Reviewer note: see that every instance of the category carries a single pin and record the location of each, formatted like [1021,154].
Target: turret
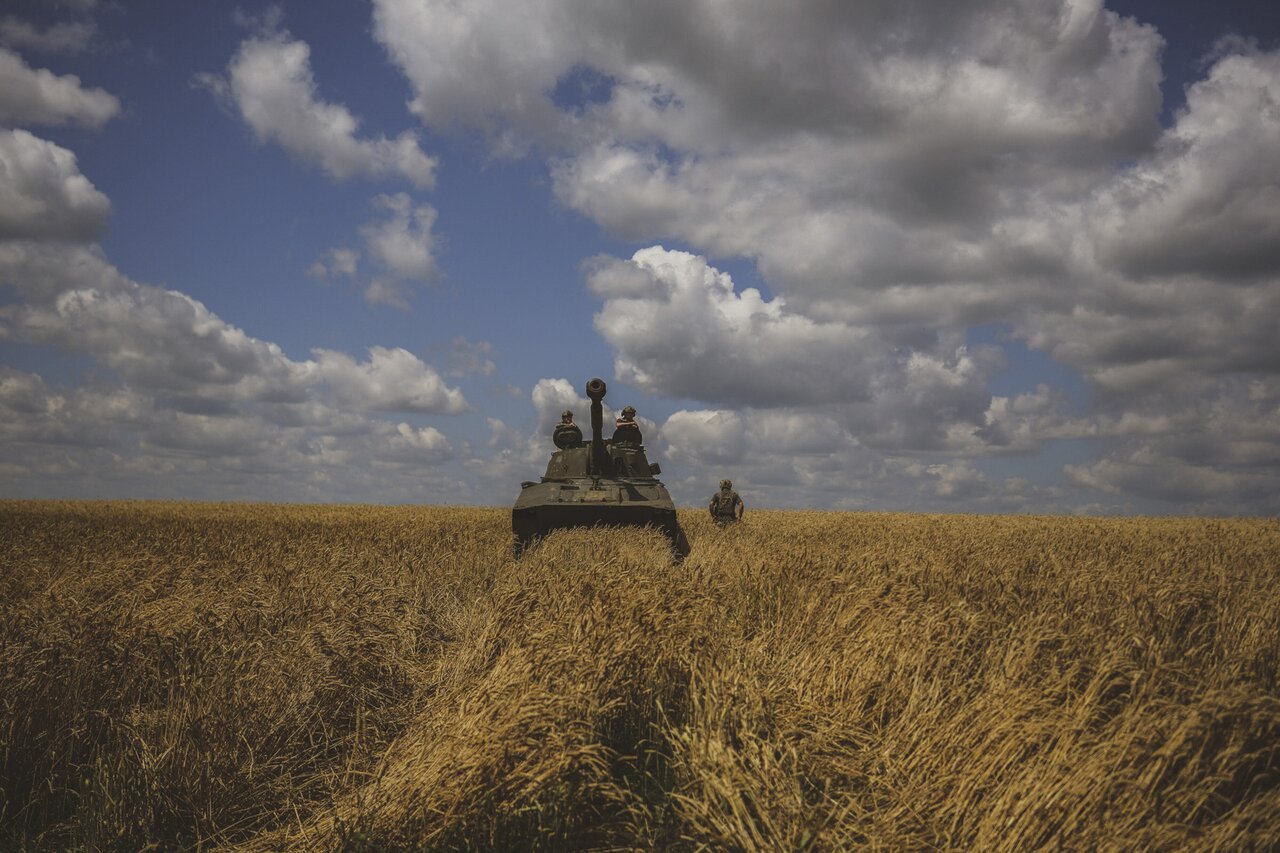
[601,463]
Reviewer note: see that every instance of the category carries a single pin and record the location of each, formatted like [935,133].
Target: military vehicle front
[596,483]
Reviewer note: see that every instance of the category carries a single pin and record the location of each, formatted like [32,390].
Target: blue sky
[986,257]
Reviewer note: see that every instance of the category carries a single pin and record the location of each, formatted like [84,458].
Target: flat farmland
[269,677]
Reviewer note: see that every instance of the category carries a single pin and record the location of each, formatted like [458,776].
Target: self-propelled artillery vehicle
[597,483]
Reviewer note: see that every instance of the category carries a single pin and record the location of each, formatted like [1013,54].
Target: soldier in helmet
[567,434]
[626,430]
[726,507]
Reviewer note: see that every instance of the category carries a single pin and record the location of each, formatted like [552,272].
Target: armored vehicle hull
[544,507]
[597,484]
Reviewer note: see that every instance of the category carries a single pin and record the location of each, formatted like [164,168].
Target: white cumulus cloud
[269,82]
[174,346]
[391,380]
[38,96]
[679,327]
[401,247]
[403,243]
[43,195]
[1207,201]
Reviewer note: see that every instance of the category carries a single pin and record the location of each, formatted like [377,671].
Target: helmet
[629,411]
[726,484]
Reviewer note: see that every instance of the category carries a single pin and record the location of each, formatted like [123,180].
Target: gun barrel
[600,461]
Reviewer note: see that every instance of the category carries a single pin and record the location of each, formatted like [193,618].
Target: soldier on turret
[567,434]
[626,430]
[726,507]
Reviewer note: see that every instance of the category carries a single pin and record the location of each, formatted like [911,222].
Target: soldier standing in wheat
[726,507]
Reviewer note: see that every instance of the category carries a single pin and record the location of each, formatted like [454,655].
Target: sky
[975,256]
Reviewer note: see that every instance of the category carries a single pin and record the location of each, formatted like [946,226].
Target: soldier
[567,434]
[726,507]
[626,430]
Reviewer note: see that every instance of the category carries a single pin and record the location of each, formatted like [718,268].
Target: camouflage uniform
[726,507]
[626,430]
[567,434]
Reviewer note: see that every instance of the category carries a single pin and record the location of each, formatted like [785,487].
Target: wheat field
[264,677]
